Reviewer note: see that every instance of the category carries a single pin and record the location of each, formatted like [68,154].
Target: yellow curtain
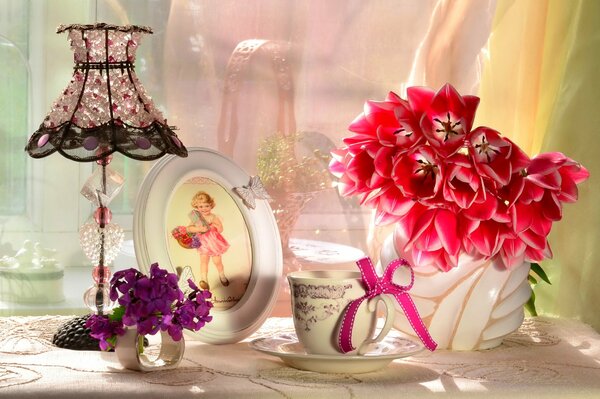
[540,87]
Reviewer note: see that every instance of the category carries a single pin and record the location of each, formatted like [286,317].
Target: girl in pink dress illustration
[213,244]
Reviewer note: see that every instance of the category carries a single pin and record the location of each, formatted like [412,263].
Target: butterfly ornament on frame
[253,191]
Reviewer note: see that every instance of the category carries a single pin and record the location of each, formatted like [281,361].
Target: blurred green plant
[283,170]
[536,273]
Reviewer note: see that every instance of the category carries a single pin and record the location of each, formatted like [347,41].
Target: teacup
[319,298]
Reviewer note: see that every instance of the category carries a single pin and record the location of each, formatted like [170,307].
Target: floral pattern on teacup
[307,314]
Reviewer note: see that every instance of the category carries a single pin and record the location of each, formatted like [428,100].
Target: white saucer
[287,348]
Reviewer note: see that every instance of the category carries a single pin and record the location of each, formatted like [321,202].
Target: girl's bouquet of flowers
[452,189]
[151,303]
[185,238]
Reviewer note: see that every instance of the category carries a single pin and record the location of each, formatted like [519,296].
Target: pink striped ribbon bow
[376,285]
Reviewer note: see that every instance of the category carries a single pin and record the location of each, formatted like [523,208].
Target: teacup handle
[389,320]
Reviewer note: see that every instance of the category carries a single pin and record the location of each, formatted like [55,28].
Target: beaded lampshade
[103,110]
[104,107]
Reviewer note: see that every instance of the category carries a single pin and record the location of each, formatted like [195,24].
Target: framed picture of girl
[190,219]
[221,261]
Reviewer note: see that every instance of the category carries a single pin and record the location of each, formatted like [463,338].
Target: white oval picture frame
[158,205]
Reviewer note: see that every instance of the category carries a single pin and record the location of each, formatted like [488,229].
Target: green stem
[140,344]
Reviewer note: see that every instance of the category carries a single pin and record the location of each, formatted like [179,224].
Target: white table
[546,358]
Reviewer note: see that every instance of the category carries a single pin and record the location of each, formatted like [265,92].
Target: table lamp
[103,110]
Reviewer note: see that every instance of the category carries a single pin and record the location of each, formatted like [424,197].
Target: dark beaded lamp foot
[74,335]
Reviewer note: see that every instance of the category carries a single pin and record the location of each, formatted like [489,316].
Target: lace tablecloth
[545,358]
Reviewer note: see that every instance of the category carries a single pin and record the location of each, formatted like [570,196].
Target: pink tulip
[535,254]
[491,154]
[512,252]
[361,169]
[356,173]
[484,208]
[462,184]
[385,123]
[518,159]
[390,204]
[555,172]
[433,236]
[418,173]
[488,237]
[447,117]
[440,259]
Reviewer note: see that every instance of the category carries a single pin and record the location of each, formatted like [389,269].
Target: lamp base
[75,335]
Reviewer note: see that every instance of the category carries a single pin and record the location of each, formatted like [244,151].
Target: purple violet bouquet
[151,303]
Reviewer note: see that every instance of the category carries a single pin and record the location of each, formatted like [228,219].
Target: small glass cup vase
[130,352]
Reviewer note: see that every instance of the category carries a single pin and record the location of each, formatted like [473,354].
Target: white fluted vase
[473,306]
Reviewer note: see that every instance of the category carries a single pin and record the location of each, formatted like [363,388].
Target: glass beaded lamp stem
[97,297]
[103,110]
